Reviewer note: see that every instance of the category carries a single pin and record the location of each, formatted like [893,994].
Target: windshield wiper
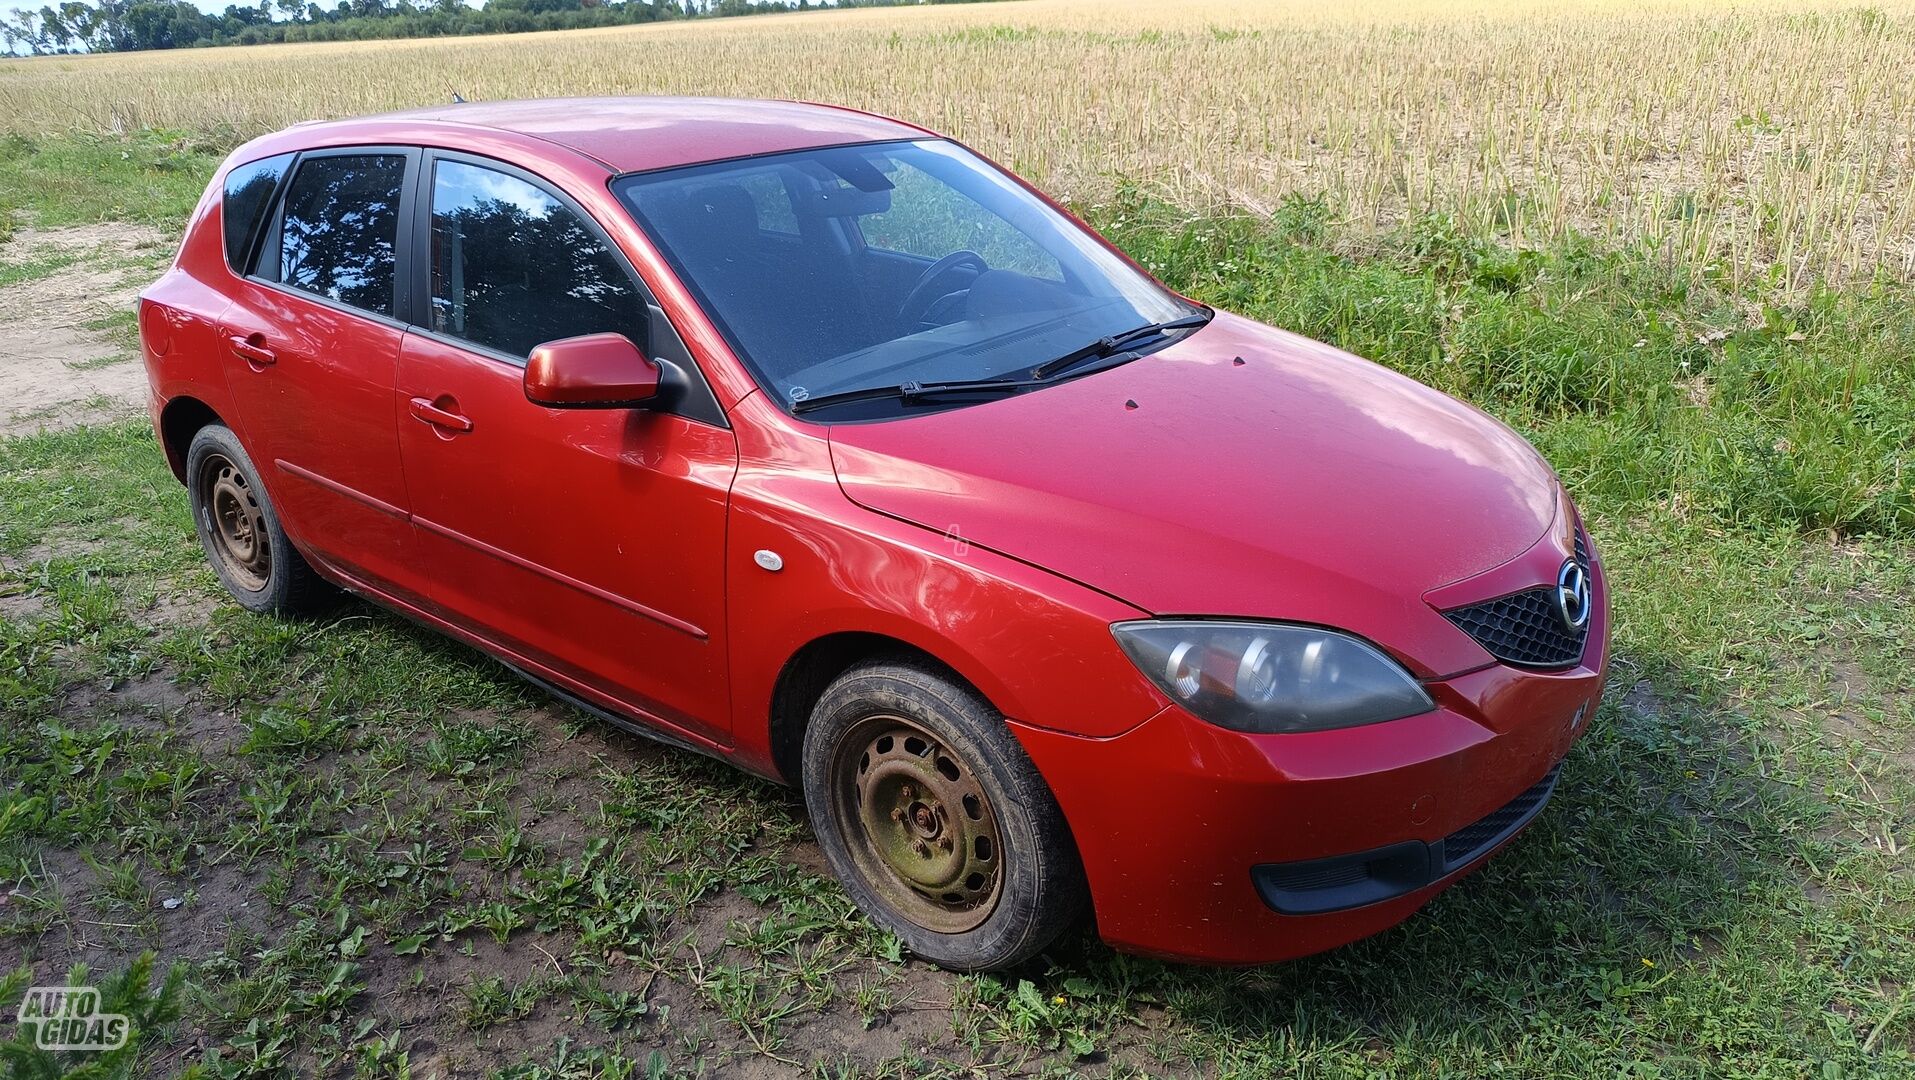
[1115,344]
[913,391]
[1110,348]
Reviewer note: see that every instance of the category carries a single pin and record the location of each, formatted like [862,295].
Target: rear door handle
[253,350]
[424,409]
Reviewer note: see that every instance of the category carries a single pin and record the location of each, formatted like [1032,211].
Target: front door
[312,355]
[589,541]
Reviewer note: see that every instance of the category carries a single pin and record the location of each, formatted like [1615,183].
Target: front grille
[1471,840]
[1523,629]
[1526,628]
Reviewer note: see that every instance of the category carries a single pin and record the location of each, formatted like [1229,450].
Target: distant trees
[120,25]
[129,25]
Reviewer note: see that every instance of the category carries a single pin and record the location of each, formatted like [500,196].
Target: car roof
[636,134]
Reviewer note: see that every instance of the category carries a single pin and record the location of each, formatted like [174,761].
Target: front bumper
[1171,817]
[1340,882]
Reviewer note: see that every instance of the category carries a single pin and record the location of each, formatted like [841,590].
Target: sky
[211,7]
[208,6]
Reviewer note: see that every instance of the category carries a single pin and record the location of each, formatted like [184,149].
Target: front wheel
[241,533]
[935,820]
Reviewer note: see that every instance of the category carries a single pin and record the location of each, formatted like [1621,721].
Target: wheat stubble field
[1744,136]
[1671,242]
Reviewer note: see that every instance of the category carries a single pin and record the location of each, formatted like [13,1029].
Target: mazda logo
[1573,598]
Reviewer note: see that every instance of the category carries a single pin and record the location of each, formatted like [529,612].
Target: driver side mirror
[595,371]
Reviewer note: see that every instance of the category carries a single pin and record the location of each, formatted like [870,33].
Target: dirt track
[64,360]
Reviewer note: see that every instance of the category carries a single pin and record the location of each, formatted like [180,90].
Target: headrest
[719,219]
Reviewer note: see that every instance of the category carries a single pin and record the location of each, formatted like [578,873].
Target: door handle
[424,409]
[253,350]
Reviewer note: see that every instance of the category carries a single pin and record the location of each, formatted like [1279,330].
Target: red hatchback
[814,441]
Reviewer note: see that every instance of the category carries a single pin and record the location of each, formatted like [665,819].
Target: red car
[817,442]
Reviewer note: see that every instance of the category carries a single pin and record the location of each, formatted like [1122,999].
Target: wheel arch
[814,667]
[180,420]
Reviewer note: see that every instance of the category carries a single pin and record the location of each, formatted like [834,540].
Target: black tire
[851,777]
[240,531]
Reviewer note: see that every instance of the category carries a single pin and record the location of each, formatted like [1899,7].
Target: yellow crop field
[1758,137]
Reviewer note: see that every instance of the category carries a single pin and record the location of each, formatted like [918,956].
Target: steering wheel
[917,303]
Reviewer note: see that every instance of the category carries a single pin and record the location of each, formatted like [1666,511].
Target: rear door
[590,541]
[311,353]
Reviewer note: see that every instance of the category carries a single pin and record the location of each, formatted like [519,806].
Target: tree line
[129,25]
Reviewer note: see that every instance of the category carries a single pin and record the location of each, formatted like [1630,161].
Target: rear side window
[249,194]
[338,235]
[512,267]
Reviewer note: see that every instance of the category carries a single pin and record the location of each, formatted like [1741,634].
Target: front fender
[1037,645]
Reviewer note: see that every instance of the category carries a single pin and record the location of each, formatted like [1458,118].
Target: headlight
[1269,677]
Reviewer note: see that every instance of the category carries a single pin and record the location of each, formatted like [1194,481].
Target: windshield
[887,264]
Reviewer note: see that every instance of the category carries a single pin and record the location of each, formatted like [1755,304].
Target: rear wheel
[935,820]
[240,531]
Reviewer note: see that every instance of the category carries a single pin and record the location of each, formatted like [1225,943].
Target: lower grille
[1471,840]
[1341,882]
[1315,877]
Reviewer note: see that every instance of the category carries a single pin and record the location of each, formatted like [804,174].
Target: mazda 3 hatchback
[817,442]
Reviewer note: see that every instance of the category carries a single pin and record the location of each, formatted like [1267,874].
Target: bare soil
[55,372]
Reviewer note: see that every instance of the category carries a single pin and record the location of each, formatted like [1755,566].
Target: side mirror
[596,371]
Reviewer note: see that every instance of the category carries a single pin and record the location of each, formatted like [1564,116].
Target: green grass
[153,178]
[1646,386]
[392,858]
[13,273]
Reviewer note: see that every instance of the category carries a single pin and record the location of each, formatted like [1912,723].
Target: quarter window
[512,267]
[248,195]
[338,236]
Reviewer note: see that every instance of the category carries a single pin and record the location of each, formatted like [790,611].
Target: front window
[339,231]
[887,264]
[513,268]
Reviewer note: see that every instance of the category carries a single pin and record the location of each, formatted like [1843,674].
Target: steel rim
[234,523]
[919,824]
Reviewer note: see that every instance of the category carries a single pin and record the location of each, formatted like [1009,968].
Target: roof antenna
[457,99]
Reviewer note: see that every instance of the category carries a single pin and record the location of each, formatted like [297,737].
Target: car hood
[1242,471]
